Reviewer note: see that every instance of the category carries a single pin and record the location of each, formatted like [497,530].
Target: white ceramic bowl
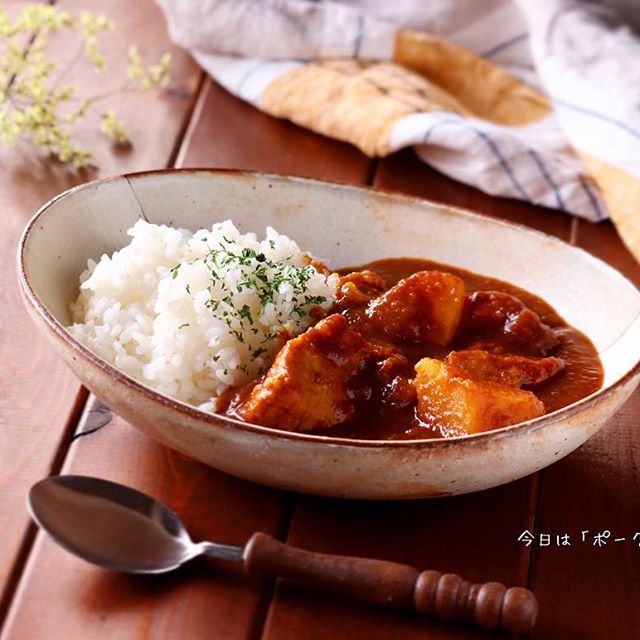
[345,226]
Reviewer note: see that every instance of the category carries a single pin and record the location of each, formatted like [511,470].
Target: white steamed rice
[191,314]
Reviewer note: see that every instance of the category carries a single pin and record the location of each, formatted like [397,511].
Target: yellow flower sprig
[36,105]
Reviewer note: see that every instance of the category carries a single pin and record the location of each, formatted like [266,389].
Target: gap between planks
[176,158]
[182,145]
[6,597]
[530,554]
[267,599]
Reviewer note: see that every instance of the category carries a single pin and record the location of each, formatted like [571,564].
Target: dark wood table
[49,425]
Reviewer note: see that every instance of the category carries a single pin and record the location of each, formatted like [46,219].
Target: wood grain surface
[229,133]
[585,591]
[61,597]
[394,585]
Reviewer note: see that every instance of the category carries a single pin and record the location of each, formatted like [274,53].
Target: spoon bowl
[115,526]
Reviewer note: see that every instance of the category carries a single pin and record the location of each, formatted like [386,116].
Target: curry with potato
[414,349]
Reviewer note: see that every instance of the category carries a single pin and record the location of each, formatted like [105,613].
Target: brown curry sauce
[374,420]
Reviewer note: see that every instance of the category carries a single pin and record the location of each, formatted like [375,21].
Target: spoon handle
[444,596]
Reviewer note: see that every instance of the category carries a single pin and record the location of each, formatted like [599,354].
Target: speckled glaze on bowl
[345,226]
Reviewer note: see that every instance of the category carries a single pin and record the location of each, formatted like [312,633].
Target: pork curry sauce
[415,349]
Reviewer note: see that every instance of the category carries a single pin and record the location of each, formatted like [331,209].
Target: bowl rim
[227,422]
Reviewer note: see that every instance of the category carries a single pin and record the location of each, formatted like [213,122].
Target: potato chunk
[307,385]
[460,406]
[426,307]
[511,370]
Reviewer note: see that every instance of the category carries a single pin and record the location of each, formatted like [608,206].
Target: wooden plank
[60,595]
[586,590]
[259,142]
[475,535]
[405,173]
[603,241]
[38,396]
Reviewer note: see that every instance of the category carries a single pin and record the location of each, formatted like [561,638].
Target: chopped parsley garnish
[174,271]
[245,312]
[183,325]
[257,286]
[267,278]
[258,352]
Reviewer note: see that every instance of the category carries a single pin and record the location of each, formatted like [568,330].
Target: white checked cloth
[581,156]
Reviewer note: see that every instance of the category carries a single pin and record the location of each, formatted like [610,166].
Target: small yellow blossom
[153,75]
[35,105]
[113,128]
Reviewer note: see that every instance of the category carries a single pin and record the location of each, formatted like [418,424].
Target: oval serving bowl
[344,226]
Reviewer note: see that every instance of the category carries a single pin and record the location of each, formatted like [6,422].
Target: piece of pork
[395,380]
[358,288]
[495,310]
[511,370]
[307,386]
